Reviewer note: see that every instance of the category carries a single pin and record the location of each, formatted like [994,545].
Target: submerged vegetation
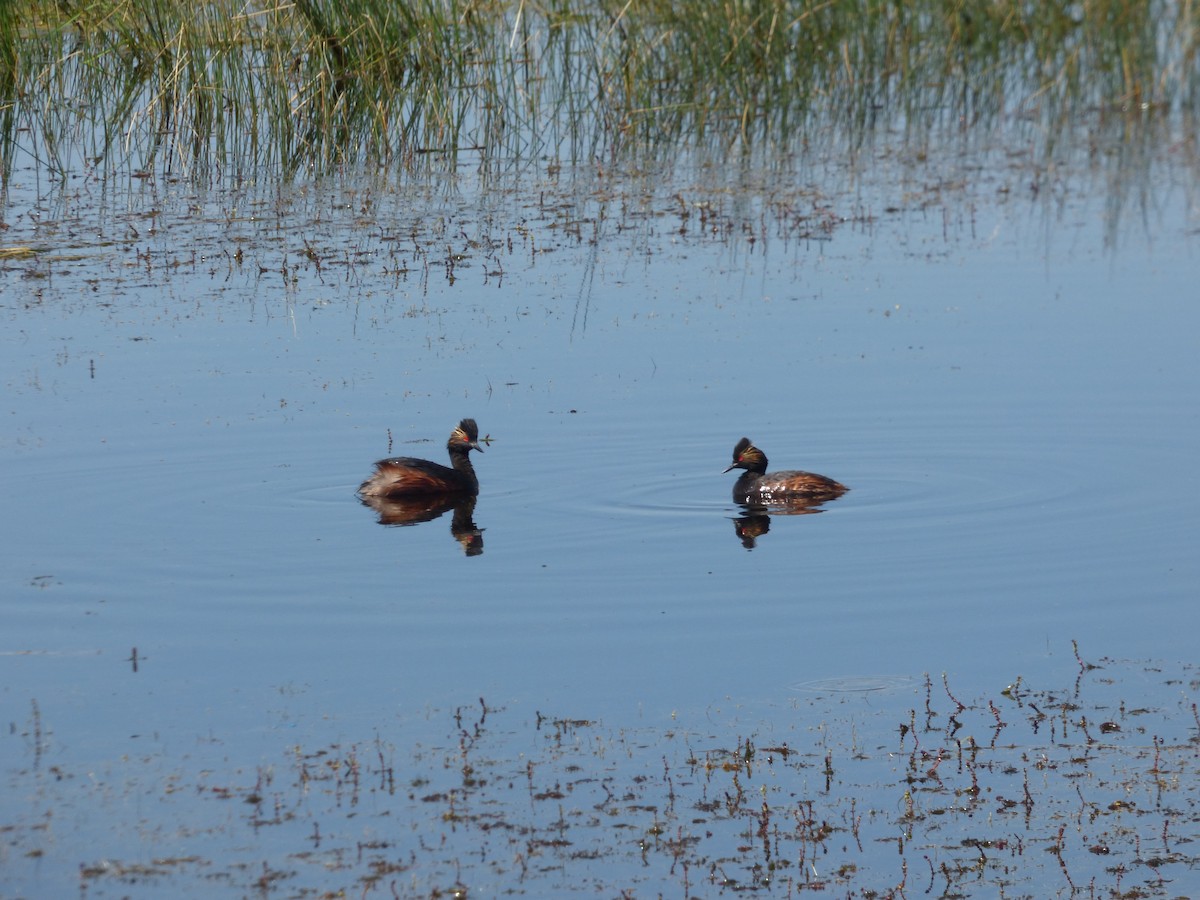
[1086,790]
[226,86]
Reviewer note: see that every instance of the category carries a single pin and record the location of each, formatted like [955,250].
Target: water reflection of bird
[756,521]
[750,527]
[405,476]
[757,487]
[414,510]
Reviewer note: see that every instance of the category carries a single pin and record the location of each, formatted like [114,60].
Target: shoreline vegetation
[229,87]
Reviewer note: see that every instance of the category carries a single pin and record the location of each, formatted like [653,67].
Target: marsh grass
[226,87]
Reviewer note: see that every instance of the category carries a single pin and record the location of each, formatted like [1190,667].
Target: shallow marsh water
[200,617]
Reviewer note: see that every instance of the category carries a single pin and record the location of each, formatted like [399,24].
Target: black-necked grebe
[755,486]
[404,476]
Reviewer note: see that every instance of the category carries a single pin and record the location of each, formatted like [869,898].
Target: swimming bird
[405,476]
[756,486]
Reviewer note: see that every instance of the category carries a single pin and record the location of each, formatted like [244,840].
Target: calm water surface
[196,383]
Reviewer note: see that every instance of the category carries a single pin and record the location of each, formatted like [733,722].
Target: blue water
[1008,391]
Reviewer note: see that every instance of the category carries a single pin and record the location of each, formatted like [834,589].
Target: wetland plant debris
[922,791]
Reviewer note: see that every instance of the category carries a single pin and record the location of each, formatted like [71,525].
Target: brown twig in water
[1057,850]
[929,713]
[1083,666]
[1083,726]
[946,684]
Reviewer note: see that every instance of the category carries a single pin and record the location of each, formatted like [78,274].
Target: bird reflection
[755,521]
[414,510]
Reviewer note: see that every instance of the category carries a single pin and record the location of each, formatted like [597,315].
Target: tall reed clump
[219,85]
[770,70]
[228,86]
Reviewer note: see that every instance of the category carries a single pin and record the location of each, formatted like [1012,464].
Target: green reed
[232,86]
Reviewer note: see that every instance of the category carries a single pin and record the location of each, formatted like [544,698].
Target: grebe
[756,487]
[404,476]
